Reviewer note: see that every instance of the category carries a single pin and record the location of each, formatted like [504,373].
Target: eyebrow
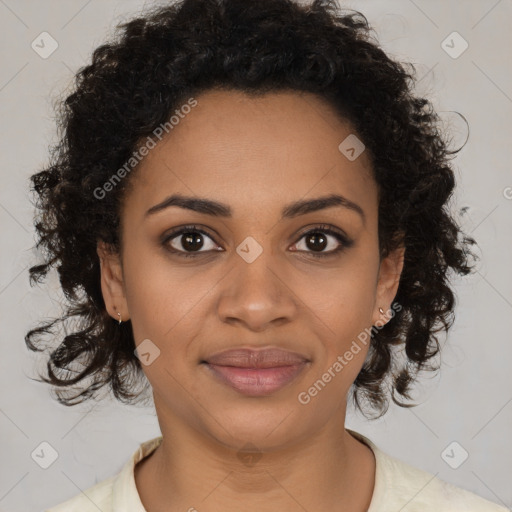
[216,209]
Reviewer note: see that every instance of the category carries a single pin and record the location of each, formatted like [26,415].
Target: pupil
[191,238]
[315,236]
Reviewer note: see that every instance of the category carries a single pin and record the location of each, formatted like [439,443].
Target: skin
[255,155]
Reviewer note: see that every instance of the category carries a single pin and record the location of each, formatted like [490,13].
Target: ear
[112,283]
[387,285]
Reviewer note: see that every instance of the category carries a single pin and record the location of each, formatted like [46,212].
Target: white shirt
[398,487]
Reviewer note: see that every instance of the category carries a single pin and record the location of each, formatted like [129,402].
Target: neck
[332,470]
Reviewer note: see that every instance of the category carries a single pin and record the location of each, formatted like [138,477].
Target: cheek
[157,294]
[344,301]
[343,295]
[168,302]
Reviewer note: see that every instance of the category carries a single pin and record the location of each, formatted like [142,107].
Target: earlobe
[112,283]
[389,279]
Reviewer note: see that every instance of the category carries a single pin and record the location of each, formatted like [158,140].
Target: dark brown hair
[136,81]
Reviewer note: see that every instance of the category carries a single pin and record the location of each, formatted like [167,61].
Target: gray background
[468,401]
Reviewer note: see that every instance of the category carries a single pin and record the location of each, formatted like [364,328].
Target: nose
[257,294]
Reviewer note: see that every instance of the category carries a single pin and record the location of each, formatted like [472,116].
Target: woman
[247,211]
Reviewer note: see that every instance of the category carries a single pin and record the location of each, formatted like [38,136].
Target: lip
[260,358]
[256,372]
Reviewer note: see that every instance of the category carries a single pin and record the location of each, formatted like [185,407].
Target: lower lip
[256,381]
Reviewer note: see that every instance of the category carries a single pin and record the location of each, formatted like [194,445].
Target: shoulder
[96,497]
[118,492]
[417,491]
[400,486]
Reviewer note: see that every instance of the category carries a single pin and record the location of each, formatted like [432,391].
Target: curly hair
[137,79]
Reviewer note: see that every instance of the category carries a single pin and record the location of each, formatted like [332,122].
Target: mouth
[256,372]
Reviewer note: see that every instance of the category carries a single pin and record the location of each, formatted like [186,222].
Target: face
[270,269]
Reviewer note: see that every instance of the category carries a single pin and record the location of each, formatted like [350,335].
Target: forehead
[253,152]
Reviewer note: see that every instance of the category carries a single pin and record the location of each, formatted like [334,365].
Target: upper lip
[256,358]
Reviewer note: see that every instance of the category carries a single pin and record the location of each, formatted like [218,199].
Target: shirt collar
[381,485]
[124,492]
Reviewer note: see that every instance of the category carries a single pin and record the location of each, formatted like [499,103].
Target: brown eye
[318,239]
[188,240]
[192,241]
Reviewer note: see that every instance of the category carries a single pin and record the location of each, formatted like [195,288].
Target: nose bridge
[254,292]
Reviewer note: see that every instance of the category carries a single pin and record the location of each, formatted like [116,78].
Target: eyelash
[324,229]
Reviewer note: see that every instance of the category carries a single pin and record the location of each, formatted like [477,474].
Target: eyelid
[343,239]
[324,228]
[176,232]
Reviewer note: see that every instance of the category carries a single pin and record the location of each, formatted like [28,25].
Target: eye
[316,240]
[187,241]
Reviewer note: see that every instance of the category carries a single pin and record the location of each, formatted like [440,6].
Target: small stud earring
[381,311]
[119,315]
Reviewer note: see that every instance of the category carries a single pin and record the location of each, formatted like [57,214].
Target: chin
[267,426]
